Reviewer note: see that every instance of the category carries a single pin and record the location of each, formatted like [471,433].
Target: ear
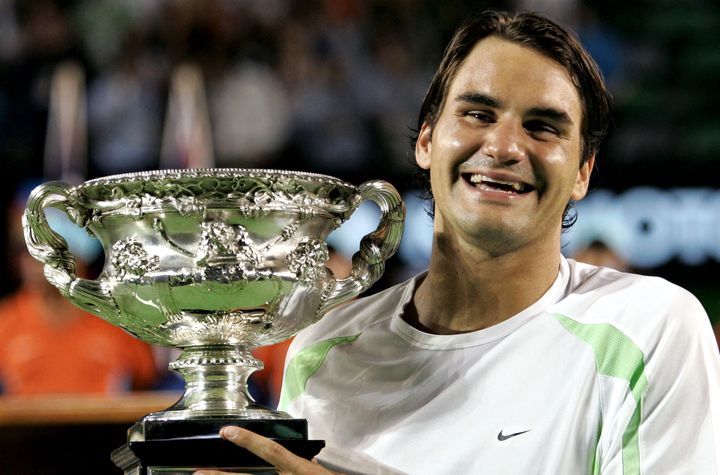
[423,146]
[582,182]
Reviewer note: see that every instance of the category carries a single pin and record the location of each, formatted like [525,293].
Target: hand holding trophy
[214,262]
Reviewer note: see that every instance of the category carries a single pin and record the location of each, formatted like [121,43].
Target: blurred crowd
[329,86]
[323,85]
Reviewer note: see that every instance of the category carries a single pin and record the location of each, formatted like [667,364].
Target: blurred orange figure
[49,346]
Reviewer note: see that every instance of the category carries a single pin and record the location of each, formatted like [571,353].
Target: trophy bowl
[214,262]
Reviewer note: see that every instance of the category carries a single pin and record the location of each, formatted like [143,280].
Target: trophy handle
[51,249]
[368,263]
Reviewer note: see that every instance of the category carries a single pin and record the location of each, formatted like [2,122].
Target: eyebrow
[479,99]
[550,113]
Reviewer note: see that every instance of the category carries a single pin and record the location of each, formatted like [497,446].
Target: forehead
[512,72]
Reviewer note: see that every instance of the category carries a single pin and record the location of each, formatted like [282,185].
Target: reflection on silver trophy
[215,262]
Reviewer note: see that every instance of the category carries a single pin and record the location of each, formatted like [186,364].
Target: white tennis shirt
[608,373]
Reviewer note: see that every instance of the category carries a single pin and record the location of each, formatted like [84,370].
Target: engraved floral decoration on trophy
[226,252]
[308,259]
[254,194]
[130,259]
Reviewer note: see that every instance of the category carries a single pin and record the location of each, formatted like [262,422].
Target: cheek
[451,137]
[436,177]
[559,161]
[555,155]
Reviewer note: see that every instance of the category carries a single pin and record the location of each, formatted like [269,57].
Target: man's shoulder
[642,307]
[595,282]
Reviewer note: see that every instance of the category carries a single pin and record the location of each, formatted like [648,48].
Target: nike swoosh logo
[502,436]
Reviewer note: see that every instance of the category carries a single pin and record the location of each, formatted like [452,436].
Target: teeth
[477,178]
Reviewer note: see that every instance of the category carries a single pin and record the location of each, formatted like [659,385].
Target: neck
[467,289]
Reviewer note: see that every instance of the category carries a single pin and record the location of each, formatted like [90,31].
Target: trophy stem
[216,384]
[186,436]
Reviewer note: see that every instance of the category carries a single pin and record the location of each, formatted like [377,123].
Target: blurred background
[97,87]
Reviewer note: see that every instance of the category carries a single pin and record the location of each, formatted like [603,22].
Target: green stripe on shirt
[617,356]
[304,364]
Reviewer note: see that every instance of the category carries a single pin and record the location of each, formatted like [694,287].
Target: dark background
[336,84]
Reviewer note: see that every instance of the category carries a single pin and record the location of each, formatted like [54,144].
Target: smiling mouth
[482,182]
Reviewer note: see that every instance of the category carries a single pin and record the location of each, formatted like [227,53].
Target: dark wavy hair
[547,38]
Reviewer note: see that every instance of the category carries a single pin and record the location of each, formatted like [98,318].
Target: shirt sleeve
[677,426]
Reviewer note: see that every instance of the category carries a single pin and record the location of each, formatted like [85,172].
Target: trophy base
[180,447]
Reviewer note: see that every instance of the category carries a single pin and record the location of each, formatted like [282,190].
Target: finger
[268,450]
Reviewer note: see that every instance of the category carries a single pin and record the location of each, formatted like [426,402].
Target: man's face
[504,154]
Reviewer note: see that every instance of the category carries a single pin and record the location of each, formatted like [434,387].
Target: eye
[482,116]
[540,127]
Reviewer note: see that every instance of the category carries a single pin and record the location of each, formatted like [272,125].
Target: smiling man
[505,357]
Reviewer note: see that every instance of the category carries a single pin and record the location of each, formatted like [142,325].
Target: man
[505,357]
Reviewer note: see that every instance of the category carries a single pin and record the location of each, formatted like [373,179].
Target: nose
[504,141]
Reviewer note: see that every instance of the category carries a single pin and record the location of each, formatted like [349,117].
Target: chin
[495,239]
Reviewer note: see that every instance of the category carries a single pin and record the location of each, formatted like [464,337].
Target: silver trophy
[215,262]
